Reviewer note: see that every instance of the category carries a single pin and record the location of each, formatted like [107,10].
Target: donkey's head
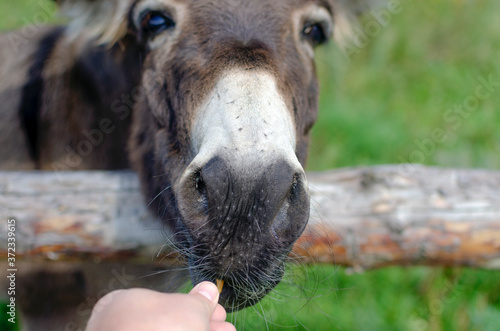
[221,135]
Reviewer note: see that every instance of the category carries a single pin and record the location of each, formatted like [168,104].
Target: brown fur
[79,91]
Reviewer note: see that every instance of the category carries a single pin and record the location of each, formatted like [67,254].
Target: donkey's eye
[315,33]
[156,22]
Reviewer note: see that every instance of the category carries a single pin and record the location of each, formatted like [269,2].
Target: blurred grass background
[376,105]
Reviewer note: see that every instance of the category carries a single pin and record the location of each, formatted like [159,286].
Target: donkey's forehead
[232,5]
[244,9]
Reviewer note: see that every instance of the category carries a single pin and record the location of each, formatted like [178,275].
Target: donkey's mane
[101,21]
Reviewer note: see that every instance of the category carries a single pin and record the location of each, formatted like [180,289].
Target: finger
[219,314]
[210,294]
[222,326]
[100,306]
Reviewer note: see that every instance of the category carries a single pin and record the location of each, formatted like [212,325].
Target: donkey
[211,102]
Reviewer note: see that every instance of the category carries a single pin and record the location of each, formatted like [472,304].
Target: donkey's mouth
[242,288]
[235,297]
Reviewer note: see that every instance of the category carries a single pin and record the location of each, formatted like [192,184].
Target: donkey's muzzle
[242,222]
[252,198]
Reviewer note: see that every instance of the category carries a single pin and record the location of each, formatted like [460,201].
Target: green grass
[19,13]
[375,107]
[5,325]
[418,298]
[398,89]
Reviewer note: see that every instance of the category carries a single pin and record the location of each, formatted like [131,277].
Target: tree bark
[360,217]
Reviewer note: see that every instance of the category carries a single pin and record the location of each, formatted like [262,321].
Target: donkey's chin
[244,287]
[236,296]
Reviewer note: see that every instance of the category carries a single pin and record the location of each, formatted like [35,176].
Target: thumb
[209,293]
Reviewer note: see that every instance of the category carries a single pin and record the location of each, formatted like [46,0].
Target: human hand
[141,309]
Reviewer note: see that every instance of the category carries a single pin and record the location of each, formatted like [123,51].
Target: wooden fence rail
[360,217]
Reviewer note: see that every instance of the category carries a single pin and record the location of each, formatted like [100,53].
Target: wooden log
[360,217]
[404,215]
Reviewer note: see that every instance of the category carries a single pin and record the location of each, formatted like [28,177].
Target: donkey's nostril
[193,200]
[199,184]
[295,183]
[214,179]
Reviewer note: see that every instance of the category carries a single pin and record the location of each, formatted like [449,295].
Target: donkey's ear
[102,21]
[346,13]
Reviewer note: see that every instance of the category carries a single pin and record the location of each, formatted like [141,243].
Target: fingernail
[208,290]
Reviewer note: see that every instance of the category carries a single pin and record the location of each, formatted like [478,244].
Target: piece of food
[220,284]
